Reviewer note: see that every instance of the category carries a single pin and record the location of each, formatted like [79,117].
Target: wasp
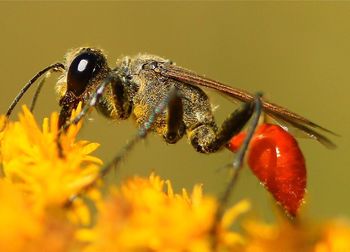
[135,87]
[168,99]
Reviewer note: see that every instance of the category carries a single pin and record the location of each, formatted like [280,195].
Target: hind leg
[206,139]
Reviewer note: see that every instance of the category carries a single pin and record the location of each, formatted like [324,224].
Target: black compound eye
[83,69]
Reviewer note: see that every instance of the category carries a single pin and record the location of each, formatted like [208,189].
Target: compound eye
[82,70]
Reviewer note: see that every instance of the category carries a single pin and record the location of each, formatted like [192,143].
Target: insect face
[86,68]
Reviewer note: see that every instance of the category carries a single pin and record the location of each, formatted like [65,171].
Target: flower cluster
[51,200]
[48,166]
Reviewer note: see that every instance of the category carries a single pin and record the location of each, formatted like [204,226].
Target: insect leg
[205,138]
[142,133]
[69,102]
[238,161]
[175,124]
[121,99]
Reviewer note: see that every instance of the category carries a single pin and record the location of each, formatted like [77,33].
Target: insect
[169,100]
[134,87]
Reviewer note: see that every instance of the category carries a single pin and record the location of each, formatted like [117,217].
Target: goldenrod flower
[290,236]
[335,237]
[18,223]
[140,215]
[2,131]
[146,215]
[38,180]
[22,228]
[50,174]
[285,236]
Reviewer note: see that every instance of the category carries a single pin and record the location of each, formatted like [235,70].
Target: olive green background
[298,54]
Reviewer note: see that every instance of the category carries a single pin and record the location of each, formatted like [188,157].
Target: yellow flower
[2,125]
[298,235]
[140,215]
[335,237]
[23,229]
[38,180]
[16,219]
[287,237]
[33,160]
[2,130]
[144,216]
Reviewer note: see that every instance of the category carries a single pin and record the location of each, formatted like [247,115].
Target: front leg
[116,102]
[69,102]
[121,97]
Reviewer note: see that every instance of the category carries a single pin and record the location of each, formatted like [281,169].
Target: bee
[135,87]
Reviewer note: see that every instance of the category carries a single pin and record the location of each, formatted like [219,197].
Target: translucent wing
[277,112]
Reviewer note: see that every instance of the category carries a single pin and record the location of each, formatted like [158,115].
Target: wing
[279,113]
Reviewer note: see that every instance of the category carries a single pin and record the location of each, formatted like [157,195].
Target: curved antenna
[38,90]
[53,67]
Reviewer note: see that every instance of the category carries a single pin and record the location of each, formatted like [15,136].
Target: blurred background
[298,54]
